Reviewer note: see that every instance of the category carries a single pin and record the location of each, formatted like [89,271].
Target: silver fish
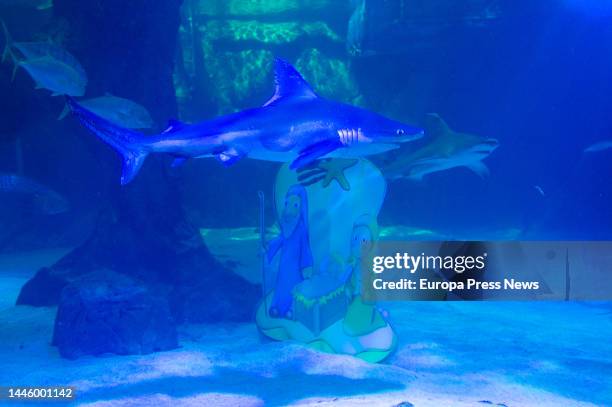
[51,66]
[56,76]
[356,27]
[32,50]
[120,111]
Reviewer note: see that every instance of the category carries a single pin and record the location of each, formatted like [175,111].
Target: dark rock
[106,312]
[217,296]
[43,289]
[197,286]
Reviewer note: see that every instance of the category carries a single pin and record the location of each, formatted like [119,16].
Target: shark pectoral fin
[178,162]
[314,152]
[229,157]
[479,168]
[421,168]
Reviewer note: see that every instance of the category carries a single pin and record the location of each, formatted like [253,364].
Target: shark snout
[488,146]
[400,136]
[403,137]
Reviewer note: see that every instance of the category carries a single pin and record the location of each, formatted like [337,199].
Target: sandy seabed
[449,354]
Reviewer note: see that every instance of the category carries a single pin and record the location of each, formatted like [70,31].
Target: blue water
[537,79]
[535,75]
[541,85]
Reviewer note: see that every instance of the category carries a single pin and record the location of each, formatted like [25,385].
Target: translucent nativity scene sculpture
[327,216]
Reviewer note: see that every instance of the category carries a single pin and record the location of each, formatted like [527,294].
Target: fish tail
[45,6]
[8,49]
[64,112]
[8,42]
[131,145]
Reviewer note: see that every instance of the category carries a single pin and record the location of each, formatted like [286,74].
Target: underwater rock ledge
[106,312]
[197,287]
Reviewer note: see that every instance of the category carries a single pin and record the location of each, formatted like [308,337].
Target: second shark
[446,149]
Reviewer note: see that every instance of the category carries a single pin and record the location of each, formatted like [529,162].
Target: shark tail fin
[132,146]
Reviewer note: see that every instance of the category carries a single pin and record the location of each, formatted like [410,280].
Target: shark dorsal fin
[435,126]
[289,84]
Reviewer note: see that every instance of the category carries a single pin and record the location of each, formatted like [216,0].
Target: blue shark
[296,125]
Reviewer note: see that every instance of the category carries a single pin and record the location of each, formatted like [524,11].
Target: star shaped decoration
[334,170]
[326,171]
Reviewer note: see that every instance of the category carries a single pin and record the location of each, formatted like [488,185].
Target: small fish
[120,111]
[45,199]
[597,147]
[447,149]
[540,190]
[33,50]
[51,66]
[8,49]
[55,75]
[355,31]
